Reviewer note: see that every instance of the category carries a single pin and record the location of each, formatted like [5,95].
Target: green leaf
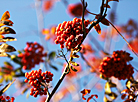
[7,63]
[52,55]
[15,59]
[5,68]
[52,66]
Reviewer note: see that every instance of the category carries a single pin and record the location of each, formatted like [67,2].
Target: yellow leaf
[128,84]
[1,80]
[45,31]
[6,22]
[6,48]
[75,56]
[75,70]
[5,16]
[107,88]
[3,54]
[24,90]
[5,39]
[74,63]
[6,87]
[7,30]
[53,29]
[112,95]
[106,99]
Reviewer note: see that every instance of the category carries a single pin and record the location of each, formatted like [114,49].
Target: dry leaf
[7,30]
[98,28]
[113,0]
[105,22]
[6,22]
[6,87]
[5,39]
[5,16]
[3,54]
[107,6]
[6,48]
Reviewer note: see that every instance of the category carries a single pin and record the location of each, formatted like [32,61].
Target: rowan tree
[75,59]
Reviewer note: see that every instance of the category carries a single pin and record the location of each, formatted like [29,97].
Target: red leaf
[107,6]
[84,92]
[90,98]
[113,0]
[105,22]
[98,28]
[96,96]
[123,96]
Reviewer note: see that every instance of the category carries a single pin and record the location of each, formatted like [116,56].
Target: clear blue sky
[23,14]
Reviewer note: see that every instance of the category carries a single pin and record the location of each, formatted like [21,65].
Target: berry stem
[60,80]
[74,52]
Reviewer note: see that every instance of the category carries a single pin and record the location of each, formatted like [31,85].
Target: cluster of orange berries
[117,65]
[33,55]
[70,33]
[39,81]
[6,99]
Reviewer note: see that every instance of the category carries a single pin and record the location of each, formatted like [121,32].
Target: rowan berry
[33,54]
[117,65]
[6,99]
[70,33]
[39,81]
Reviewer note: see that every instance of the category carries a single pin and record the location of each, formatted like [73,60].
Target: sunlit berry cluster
[6,99]
[33,54]
[70,33]
[117,65]
[39,81]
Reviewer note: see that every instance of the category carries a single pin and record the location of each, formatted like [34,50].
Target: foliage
[84,61]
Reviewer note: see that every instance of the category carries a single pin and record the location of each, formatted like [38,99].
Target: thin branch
[82,56]
[124,39]
[74,52]
[59,82]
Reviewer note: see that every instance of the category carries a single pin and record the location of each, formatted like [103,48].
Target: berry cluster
[6,99]
[70,33]
[76,9]
[33,55]
[117,65]
[39,81]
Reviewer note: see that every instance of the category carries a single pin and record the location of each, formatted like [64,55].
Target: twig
[74,52]
[124,39]
[82,56]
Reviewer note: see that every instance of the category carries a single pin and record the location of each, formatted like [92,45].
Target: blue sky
[24,16]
